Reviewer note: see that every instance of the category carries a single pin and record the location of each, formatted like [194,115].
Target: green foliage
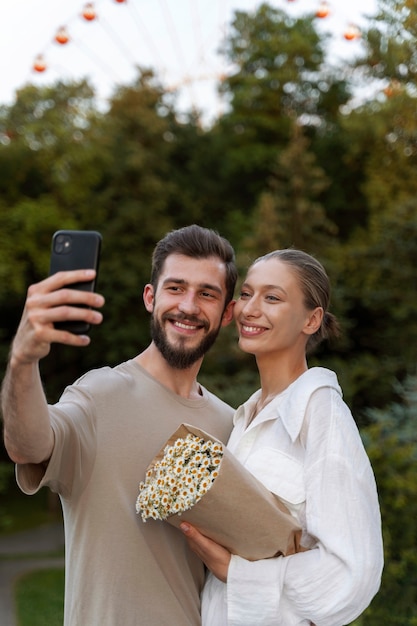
[386,150]
[279,80]
[391,442]
[6,474]
[289,213]
[44,135]
[25,235]
[391,51]
[274,54]
[377,269]
[20,512]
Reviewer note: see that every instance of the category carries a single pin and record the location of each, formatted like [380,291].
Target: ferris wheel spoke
[178,39]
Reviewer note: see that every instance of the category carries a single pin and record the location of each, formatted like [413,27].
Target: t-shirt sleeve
[72,459]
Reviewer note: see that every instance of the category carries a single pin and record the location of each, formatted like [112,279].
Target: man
[94,445]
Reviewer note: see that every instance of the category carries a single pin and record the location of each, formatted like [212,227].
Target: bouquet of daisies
[180,479]
[195,478]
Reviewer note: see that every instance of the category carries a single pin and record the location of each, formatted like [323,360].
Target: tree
[377,270]
[289,213]
[391,443]
[385,152]
[279,79]
[44,136]
[391,54]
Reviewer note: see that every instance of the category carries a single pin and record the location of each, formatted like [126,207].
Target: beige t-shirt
[121,571]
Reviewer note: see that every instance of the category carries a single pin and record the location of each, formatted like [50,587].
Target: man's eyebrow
[211,287]
[182,281]
[178,281]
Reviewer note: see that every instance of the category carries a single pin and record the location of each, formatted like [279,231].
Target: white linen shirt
[305,447]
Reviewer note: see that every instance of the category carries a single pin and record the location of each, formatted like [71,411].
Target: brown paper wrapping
[238,511]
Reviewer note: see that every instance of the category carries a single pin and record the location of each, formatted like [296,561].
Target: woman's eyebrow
[265,287]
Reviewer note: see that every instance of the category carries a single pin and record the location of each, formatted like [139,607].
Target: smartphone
[76,250]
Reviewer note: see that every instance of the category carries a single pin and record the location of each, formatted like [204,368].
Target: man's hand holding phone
[76,250]
[61,308]
[51,302]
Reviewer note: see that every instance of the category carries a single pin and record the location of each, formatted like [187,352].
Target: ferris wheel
[107,40]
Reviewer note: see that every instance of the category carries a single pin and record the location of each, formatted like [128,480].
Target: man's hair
[198,243]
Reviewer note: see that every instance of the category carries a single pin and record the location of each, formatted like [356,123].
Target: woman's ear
[314,321]
[148,297]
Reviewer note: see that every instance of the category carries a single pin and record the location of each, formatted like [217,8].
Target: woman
[298,437]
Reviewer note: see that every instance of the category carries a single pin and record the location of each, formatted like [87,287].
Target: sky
[178,38]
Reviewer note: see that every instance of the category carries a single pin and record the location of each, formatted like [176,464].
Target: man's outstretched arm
[28,435]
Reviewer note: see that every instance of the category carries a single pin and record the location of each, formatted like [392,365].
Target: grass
[39,595]
[40,598]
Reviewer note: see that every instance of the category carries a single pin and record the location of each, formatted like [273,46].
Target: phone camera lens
[63,244]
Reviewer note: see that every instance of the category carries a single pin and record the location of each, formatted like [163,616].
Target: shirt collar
[290,405]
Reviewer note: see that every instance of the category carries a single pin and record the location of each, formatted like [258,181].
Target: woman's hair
[315,285]
[198,243]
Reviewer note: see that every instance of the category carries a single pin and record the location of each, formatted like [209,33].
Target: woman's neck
[274,380]
[277,374]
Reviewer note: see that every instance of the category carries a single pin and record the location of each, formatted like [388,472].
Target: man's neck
[183,382]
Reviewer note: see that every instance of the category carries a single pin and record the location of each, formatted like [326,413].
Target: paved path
[24,552]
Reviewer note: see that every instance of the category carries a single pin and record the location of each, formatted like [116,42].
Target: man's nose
[189,304]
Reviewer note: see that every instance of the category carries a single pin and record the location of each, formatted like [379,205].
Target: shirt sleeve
[333,583]
[73,423]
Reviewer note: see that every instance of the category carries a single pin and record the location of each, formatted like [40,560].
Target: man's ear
[148,297]
[228,313]
[314,321]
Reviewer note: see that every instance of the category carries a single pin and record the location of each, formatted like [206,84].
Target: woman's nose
[251,308]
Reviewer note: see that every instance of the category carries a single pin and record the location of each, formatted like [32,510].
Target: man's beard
[180,357]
